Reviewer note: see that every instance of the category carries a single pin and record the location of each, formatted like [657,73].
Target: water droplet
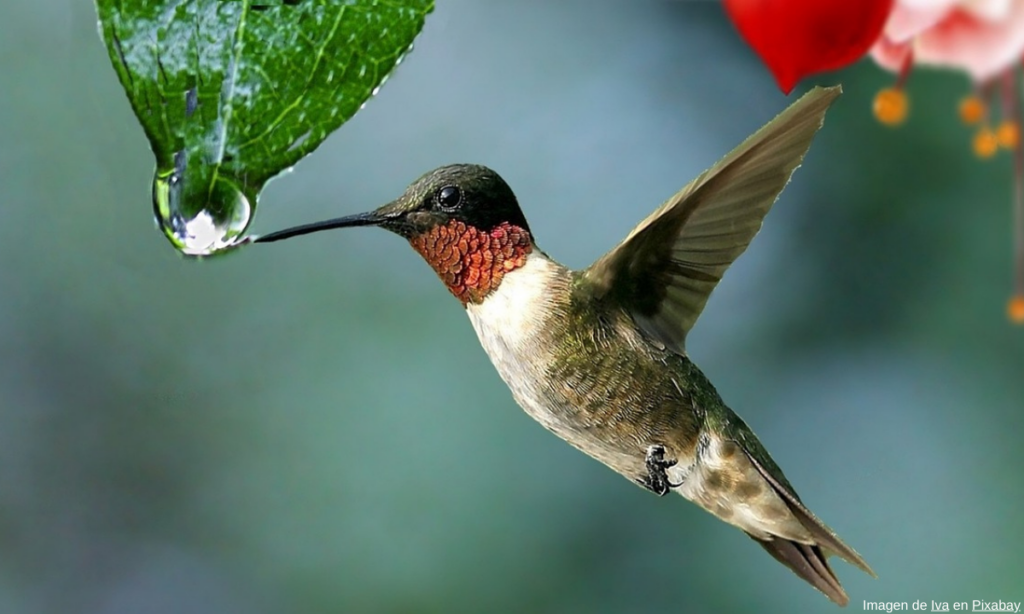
[401,58]
[201,212]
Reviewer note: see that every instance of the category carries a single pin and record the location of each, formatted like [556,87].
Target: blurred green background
[313,427]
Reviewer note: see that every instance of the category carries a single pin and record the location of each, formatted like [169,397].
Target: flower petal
[796,38]
[905,22]
[978,46]
[890,55]
[992,10]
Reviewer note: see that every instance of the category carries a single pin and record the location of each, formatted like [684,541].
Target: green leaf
[232,92]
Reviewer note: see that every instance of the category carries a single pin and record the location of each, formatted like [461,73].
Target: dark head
[463,219]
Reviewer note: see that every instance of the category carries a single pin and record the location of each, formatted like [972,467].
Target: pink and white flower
[981,37]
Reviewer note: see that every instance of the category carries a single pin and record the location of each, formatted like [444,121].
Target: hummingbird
[598,356]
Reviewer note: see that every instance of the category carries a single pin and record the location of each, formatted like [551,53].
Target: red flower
[796,38]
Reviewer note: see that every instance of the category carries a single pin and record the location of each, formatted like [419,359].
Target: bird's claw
[657,480]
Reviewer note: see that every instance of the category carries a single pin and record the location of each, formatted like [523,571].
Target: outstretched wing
[667,267]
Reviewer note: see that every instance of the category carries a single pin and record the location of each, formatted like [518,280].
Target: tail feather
[750,491]
[822,534]
[809,563]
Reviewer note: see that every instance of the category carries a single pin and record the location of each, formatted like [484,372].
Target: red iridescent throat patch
[470,261]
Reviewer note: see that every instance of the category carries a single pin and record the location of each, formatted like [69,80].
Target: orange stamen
[1008,134]
[1015,309]
[986,143]
[972,110]
[891,106]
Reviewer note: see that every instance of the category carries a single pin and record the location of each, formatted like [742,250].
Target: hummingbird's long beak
[370,218]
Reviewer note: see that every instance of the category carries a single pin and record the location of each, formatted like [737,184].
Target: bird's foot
[656,479]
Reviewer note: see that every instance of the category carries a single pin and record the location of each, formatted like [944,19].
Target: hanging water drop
[201,212]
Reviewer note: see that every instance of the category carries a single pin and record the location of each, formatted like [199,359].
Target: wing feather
[665,270]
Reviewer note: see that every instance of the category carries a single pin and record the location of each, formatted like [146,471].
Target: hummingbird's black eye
[449,197]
